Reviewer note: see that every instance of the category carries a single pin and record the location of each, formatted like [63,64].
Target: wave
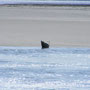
[38,50]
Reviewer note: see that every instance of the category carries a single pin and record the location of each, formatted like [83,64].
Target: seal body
[44,45]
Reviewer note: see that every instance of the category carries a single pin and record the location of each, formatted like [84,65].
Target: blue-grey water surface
[33,68]
[56,2]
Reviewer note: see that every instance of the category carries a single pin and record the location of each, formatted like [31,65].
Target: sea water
[56,2]
[33,68]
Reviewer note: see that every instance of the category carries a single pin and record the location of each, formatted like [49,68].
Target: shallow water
[33,68]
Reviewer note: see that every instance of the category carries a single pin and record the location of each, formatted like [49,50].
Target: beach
[62,26]
[25,66]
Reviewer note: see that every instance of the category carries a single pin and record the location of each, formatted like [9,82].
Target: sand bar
[62,26]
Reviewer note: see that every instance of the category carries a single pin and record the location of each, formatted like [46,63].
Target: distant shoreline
[43,5]
[46,3]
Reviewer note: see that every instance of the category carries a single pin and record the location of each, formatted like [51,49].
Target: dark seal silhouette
[44,45]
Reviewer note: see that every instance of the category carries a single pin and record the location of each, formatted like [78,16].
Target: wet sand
[62,26]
